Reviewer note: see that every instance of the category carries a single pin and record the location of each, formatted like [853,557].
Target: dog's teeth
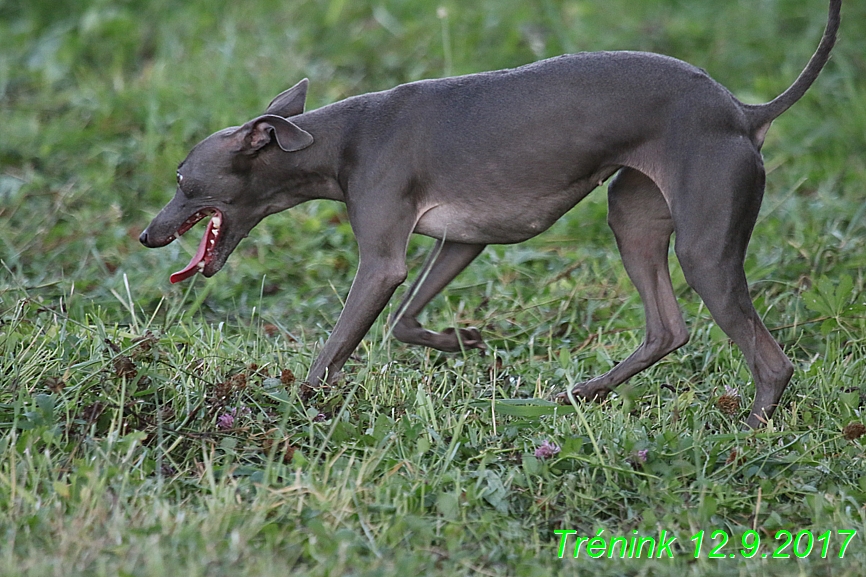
[201,266]
[217,221]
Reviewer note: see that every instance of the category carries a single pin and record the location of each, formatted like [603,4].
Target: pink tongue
[192,267]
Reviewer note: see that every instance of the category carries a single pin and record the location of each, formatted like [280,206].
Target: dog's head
[219,179]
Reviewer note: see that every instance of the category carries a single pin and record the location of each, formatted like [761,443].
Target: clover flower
[227,419]
[546,450]
[729,402]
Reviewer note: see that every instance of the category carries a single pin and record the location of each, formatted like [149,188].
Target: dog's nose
[142,238]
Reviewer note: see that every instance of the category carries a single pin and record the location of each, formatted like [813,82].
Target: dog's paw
[587,391]
[307,391]
[469,337]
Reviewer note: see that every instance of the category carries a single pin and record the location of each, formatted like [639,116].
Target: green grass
[117,454]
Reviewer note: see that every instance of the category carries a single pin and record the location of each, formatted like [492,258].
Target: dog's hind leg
[641,222]
[445,262]
[714,214]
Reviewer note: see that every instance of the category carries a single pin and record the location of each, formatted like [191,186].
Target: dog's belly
[454,223]
[498,219]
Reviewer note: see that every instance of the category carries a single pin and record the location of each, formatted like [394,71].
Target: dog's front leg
[382,239]
[373,286]
[445,262]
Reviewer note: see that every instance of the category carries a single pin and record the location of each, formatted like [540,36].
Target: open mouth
[204,254]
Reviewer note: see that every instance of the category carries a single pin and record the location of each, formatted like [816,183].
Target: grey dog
[497,158]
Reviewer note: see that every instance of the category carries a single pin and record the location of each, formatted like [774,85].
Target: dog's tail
[762,115]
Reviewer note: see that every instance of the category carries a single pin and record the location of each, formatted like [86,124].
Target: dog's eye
[179,179]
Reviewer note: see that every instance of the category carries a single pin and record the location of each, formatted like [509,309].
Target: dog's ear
[257,133]
[291,102]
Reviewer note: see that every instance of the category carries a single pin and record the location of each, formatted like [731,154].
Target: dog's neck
[320,171]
